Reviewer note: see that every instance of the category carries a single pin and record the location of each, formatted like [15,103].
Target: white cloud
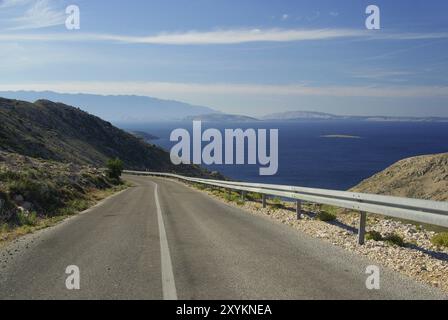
[166,89]
[218,37]
[13,3]
[38,14]
[198,38]
[381,74]
[238,36]
[285,17]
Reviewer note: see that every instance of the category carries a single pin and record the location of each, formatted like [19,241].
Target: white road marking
[168,284]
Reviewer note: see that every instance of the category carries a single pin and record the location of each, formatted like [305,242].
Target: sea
[324,154]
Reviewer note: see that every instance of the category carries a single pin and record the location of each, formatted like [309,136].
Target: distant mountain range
[122,109]
[306,116]
[311,115]
[296,115]
[220,117]
[117,108]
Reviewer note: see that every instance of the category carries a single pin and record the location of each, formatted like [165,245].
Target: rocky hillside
[45,188]
[54,131]
[422,177]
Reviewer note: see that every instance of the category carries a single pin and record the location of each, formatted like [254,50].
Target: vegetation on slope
[36,193]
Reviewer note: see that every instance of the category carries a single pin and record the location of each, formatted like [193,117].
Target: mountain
[55,131]
[311,115]
[422,177]
[118,108]
[220,117]
[299,115]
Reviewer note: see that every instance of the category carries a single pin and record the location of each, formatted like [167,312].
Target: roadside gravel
[419,258]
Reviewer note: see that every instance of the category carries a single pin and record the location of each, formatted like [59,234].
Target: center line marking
[168,284]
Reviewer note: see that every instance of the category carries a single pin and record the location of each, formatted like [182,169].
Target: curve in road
[163,240]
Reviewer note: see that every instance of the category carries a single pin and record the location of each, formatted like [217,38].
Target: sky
[251,57]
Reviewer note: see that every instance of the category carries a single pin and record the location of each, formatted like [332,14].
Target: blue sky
[249,56]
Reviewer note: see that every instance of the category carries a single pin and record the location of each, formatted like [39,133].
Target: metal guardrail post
[362,228]
[264,200]
[243,196]
[299,209]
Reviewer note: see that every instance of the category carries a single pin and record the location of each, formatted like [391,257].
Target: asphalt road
[163,240]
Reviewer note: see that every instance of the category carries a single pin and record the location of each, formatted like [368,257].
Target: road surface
[163,240]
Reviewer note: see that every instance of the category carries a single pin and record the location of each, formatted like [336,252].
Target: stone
[27,205]
[18,198]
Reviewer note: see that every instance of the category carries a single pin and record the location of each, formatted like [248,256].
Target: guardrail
[423,211]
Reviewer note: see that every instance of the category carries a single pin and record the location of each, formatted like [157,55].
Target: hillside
[422,177]
[55,131]
[117,108]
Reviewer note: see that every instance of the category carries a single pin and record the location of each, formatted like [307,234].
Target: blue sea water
[308,159]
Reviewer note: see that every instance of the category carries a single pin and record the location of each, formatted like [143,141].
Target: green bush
[234,197]
[114,168]
[43,194]
[276,203]
[200,186]
[330,209]
[73,207]
[4,227]
[254,196]
[440,239]
[4,200]
[394,239]
[218,192]
[9,176]
[97,181]
[230,197]
[26,219]
[374,235]
[326,216]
